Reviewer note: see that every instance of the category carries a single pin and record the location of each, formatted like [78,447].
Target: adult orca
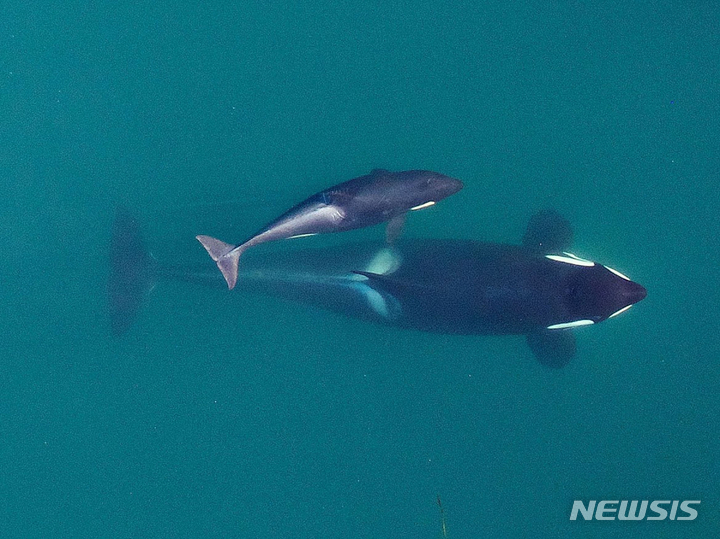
[536,289]
[364,201]
[464,287]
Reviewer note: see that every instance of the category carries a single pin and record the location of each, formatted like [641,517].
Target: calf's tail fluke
[225,255]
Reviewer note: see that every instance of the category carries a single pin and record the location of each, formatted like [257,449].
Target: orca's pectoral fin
[552,348]
[395,228]
[548,232]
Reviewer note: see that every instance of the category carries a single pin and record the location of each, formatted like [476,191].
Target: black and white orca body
[461,287]
[466,287]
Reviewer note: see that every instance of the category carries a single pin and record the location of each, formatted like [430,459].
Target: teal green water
[239,416]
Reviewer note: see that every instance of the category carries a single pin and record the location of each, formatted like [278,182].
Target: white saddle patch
[385,262]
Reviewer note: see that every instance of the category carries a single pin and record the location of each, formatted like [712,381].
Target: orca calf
[364,201]
[537,289]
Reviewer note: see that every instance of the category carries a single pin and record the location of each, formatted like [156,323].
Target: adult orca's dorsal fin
[553,348]
[548,232]
[389,284]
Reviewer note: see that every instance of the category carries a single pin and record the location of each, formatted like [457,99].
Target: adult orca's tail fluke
[132,271]
[225,255]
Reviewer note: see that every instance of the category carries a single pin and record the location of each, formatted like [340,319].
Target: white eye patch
[620,311]
[616,272]
[570,258]
[422,206]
